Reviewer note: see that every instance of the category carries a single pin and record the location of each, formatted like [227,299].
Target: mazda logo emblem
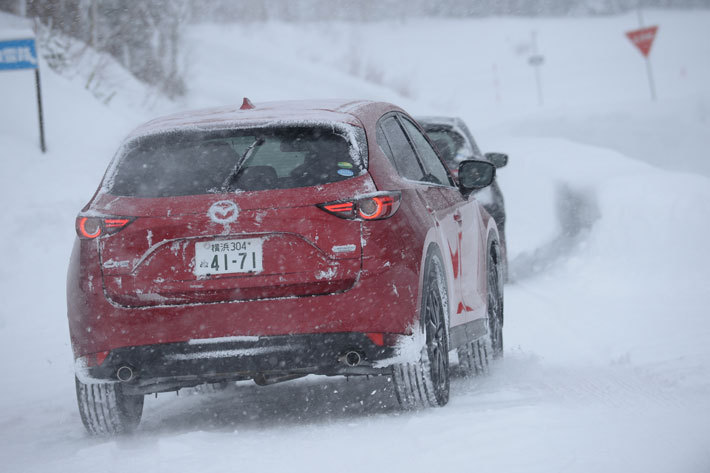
[224,211]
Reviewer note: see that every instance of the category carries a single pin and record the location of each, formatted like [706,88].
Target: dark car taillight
[93,227]
[368,207]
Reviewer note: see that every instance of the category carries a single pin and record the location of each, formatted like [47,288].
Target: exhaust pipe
[124,373]
[352,358]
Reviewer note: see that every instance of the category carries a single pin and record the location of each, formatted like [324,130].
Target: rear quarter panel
[414,226]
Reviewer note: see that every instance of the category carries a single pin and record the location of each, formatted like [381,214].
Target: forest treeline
[146,36]
[375,10]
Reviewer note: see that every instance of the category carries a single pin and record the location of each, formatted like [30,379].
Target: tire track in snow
[524,380]
[577,211]
[519,380]
[310,401]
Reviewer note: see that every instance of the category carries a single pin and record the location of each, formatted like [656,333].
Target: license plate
[228,256]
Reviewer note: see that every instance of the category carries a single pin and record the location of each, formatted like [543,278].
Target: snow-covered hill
[607,364]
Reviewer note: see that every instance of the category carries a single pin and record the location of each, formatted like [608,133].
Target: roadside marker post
[17,54]
[536,60]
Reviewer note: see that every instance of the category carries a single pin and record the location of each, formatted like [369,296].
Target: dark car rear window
[450,144]
[199,162]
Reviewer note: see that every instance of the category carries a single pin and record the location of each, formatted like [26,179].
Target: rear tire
[474,357]
[106,410]
[426,382]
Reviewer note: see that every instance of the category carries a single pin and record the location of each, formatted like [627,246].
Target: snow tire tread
[105,410]
[413,386]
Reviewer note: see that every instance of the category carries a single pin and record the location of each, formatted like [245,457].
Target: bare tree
[145,37]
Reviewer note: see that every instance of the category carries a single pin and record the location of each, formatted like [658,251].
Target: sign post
[19,54]
[643,38]
[536,61]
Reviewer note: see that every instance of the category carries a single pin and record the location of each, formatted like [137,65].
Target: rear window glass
[200,162]
[450,144]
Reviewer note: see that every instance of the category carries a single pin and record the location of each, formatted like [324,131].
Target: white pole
[538,78]
[651,83]
[649,70]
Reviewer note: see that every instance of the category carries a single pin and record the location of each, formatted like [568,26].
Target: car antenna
[246,104]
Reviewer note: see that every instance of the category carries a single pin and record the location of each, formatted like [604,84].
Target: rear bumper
[383,300]
[170,366]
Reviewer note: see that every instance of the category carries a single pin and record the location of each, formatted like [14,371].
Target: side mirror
[498,159]
[474,175]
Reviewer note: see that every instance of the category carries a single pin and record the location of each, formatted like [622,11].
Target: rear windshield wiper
[242,159]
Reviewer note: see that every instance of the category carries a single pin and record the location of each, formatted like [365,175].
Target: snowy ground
[607,364]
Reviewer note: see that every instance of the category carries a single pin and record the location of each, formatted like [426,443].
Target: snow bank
[594,79]
[626,281]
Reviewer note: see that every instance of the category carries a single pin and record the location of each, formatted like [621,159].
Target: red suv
[273,241]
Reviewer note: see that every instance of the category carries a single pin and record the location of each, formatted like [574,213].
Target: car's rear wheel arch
[425,382]
[433,251]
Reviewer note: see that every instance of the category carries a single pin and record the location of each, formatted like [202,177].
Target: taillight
[93,227]
[367,207]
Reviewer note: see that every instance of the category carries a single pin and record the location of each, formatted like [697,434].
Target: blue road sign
[18,54]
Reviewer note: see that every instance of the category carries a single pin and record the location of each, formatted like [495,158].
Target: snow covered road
[607,365]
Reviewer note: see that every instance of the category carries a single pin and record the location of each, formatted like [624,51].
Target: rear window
[253,159]
[450,144]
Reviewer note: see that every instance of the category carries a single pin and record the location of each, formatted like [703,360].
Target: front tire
[475,357]
[495,300]
[426,382]
[106,410]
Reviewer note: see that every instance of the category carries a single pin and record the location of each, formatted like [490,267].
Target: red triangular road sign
[643,38]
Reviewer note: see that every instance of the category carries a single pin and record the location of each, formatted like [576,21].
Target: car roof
[292,111]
